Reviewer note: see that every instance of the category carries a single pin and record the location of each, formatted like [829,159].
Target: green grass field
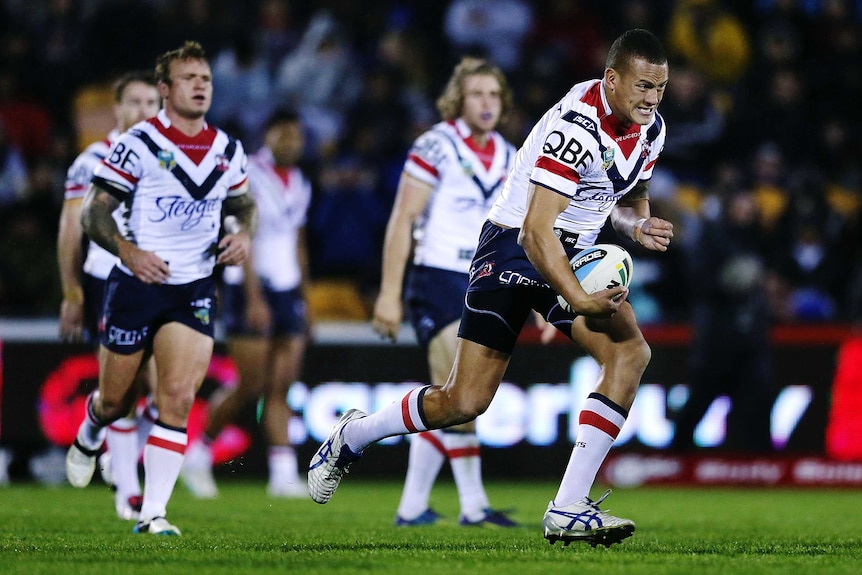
[686,531]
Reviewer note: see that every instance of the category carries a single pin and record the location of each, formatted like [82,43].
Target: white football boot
[80,464]
[584,521]
[331,461]
[156,526]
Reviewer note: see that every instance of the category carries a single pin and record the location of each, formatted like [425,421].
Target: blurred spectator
[697,116]
[812,257]
[28,280]
[28,124]
[628,14]
[13,170]
[770,174]
[347,218]
[59,53]
[834,64]
[321,78]
[710,38]
[730,349]
[381,116]
[773,114]
[567,41]
[120,35]
[241,91]
[404,51]
[277,32]
[211,23]
[492,29]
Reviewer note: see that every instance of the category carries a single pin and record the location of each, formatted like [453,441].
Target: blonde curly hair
[450,104]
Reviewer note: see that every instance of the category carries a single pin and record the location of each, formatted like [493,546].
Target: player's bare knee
[109,408]
[468,409]
[178,403]
[635,354]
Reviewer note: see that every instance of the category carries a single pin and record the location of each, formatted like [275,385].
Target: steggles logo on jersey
[166,159]
[193,211]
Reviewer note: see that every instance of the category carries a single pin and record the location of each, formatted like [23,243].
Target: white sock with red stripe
[463,452]
[427,454]
[163,458]
[599,424]
[122,442]
[397,418]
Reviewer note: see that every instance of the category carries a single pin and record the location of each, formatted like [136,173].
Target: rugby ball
[598,267]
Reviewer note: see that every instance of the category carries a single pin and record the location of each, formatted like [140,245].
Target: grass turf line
[679,531]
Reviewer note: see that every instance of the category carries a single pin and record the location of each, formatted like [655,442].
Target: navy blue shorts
[287,307]
[435,298]
[504,288]
[94,302]
[134,310]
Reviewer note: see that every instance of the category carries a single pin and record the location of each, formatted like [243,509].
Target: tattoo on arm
[97,220]
[244,209]
[637,193]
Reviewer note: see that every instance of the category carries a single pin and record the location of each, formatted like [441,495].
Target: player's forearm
[98,222]
[244,209]
[397,246]
[69,253]
[630,213]
[548,256]
[628,220]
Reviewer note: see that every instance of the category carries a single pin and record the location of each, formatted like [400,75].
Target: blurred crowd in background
[761,173]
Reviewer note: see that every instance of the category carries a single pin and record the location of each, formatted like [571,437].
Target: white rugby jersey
[466,183]
[173,187]
[579,150]
[99,261]
[282,197]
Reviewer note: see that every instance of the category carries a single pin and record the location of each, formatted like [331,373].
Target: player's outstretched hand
[233,249]
[656,234]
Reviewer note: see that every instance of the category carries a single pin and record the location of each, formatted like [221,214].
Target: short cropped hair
[451,101]
[191,50]
[636,43]
[121,83]
[281,116]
